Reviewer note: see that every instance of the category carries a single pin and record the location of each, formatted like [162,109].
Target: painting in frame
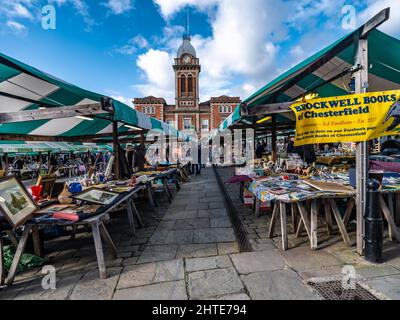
[16,204]
[96,195]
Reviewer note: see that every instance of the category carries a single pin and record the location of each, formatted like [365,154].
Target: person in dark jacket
[140,158]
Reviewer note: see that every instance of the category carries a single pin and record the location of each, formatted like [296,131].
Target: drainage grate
[238,228]
[334,290]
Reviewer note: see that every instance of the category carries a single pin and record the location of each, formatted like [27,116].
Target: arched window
[190,85]
[183,85]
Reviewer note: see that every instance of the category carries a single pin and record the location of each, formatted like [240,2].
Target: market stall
[48,112]
[365,58]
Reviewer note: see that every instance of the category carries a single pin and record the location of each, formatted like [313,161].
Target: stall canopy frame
[36,106]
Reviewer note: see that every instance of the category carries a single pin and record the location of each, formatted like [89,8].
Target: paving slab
[249,262]
[169,271]
[212,213]
[187,214]
[161,291]
[305,259]
[199,264]
[158,253]
[91,287]
[373,271]
[211,235]
[137,275]
[277,285]
[212,283]
[389,286]
[228,247]
[220,222]
[197,250]
[190,224]
[171,237]
[64,287]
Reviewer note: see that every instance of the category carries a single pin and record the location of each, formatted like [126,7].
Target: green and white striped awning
[22,80]
[322,73]
[53,147]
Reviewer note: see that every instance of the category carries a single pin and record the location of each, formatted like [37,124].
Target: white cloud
[137,42]
[156,65]
[252,40]
[123,99]
[119,6]
[392,26]
[169,7]
[16,26]
[241,45]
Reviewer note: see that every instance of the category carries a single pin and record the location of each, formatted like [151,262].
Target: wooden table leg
[339,221]
[300,227]
[257,207]
[2,270]
[137,215]
[167,191]
[18,254]
[389,219]
[99,250]
[107,238]
[349,211]
[129,212]
[272,223]
[282,207]
[294,217]
[314,224]
[328,217]
[304,218]
[36,241]
[391,211]
[150,195]
[12,237]
[397,217]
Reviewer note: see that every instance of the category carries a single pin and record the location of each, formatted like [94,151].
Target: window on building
[190,85]
[205,126]
[149,110]
[183,85]
[171,123]
[187,123]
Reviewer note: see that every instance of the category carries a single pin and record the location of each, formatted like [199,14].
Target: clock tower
[187,69]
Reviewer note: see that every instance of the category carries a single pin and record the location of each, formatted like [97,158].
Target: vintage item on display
[16,204]
[329,186]
[109,167]
[95,195]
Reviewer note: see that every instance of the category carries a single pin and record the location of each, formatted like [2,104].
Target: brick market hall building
[188,112]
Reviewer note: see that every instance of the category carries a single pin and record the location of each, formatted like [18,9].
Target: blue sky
[125,48]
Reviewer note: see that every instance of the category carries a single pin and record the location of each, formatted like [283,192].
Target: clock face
[186,59]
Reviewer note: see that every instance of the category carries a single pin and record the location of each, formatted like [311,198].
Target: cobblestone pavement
[188,250]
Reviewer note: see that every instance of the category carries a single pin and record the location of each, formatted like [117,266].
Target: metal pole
[361,85]
[273,139]
[116,150]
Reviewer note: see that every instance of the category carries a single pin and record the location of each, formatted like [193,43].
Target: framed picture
[16,204]
[95,195]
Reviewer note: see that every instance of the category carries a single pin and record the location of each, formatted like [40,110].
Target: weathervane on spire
[188,21]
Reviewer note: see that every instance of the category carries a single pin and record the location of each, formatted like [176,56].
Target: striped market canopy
[327,73]
[53,147]
[23,87]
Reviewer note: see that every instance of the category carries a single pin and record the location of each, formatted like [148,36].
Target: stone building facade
[188,112]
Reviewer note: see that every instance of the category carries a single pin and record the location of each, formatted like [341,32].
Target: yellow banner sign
[350,118]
